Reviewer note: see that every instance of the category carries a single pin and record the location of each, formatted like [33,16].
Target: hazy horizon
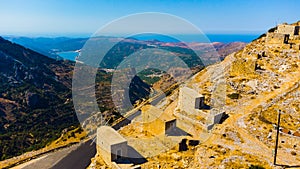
[223,38]
[69,18]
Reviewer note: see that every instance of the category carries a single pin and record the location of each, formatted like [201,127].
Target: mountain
[33,99]
[207,53]
[242,97]
[224,49]
[50,46]
[128,46]
[36,100]
[35,95]
[262,80]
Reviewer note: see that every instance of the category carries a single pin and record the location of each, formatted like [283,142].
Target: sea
[68,55]
[227,38]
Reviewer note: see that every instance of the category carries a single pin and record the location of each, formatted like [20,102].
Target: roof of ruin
[110,135]
[156,113]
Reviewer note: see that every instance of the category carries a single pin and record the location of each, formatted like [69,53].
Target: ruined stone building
[283,36]
[290,30]
[156,122]
[192,112]
[190,101]
[111,146]
[286,35]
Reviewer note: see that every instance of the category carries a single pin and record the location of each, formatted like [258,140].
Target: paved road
[48,160]
[79,158]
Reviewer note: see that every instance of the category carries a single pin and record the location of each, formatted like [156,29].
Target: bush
[256,167]
[293,153]
[234,96]
[272,29]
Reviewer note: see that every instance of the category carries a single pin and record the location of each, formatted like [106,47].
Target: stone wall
[154,120]
[189,125]
[284,34]
[109,142]
[186,110]
[104,153]
[187,100]
[214,118]
[276,38]
[287,29]
[295,39]
[243,67]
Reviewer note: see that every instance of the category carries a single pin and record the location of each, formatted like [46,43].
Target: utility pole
[277,136]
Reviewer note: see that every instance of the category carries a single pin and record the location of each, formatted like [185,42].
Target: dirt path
[252,145]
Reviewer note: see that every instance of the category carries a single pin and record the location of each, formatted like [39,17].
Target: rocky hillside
[260,80]
[36,99]
[34,94]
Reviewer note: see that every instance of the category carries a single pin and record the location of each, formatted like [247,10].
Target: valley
[242,91]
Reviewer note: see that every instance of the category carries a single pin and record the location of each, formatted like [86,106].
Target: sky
[84,17]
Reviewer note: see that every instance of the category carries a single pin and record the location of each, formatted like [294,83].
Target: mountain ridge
[259,80]
[36,99]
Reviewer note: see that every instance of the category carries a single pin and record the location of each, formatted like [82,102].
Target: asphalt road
[48,160]
[79,158]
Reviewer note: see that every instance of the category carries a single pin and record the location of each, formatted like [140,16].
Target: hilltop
[36,90]
[260,79]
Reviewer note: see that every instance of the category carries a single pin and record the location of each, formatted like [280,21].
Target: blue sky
[78,17]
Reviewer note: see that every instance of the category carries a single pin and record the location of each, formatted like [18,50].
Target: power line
[277,136]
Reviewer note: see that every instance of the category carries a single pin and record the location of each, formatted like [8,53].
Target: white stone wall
[187,98]
[275,38]
[108,143]
[103,148]
[186,104]
[286,29]
[105,155]
[214,118]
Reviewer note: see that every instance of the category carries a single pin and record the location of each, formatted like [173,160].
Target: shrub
[234,96]
[256,167]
